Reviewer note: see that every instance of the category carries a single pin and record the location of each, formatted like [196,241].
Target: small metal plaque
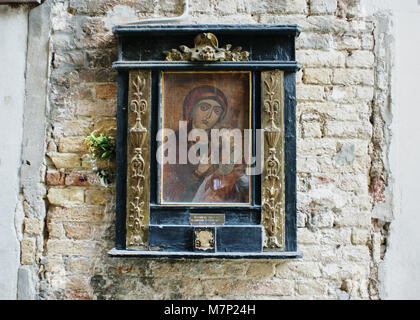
[207,219]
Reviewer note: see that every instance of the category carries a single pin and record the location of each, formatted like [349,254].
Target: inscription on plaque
[207,219]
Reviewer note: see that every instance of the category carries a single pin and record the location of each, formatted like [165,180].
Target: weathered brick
[263,286]
[356,253]
[106,91]
[81,178]
[367,42]
[66,197]
[359,236]
[350,94]
[348,129]
[68,60]
[108,125]
[260,270]
[55,230]
[86,93]
[312,129]
[319,41]
[336,236]
[86,75]
[321,59]
[317,146]
[105,75]
[277,6]
[298,269]
[349,270]
[77,282]
[76,214]
[323,6]
[317,76]
[55,265]
[65,160]
[83,248]
[27,246]
[78,264]
[78,231]
[98,108]
[360,59]
[306,236]
[349,42]
[353,77]
[310,93]
[106,164]
[311,252]
[33,226]
[353,218]
[55,178]
[97,197]
[78,295]
[234,269]
[72,144]
[311,287]
[336,111]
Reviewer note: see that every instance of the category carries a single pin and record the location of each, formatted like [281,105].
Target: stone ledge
[199,255]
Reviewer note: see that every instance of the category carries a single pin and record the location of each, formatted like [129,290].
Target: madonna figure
[204,107]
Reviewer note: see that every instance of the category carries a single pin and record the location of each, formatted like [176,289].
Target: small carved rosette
[138,155]
[273,196]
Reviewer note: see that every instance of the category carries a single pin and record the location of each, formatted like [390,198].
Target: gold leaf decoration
[273,192]
[138,167]
[206,48]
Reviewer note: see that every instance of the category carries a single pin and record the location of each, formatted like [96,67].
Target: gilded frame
[250,112]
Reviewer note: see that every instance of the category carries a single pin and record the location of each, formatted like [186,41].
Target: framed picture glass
[205,123]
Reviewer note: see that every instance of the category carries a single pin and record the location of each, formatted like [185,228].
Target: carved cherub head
[207,53]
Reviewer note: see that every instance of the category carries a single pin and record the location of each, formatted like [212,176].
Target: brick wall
[335,91]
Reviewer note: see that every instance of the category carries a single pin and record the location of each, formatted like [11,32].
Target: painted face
[206,113]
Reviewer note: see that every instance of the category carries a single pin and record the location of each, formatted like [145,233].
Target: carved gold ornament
[138,167]
[206,48]
[204,240]
[273,192]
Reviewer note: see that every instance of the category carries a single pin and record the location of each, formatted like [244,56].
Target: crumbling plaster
[13,37]
[397,45]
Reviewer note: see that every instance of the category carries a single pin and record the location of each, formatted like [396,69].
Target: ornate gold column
[273,191]
[138,166]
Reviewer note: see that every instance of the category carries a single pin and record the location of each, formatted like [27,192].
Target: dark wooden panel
[161,215]
[290,159]
[121,155]
[263,42]
[171,238]
[239,239]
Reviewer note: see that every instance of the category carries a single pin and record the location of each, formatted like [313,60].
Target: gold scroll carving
[273,188]
[138,160]
[206,48]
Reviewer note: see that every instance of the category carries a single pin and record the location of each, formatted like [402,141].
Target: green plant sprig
[100,146]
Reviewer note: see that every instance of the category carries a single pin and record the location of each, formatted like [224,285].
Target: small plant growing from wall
[101,149]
